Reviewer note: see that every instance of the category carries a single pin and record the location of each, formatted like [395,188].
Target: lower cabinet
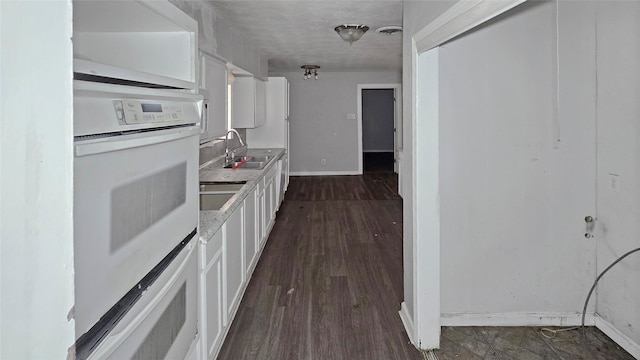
[261,218]
[251,243]
[234,260]
[211,312]
[227,260]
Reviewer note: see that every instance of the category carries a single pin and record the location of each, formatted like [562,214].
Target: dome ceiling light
[389,30]
[351,32]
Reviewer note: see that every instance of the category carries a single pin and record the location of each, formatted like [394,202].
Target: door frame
[422,321]
[397,120]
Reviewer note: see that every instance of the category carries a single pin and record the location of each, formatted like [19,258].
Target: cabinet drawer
[210,248]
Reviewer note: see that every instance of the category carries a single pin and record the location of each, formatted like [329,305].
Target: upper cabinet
[146,41]
[249,102]
[214,85]
[275,131]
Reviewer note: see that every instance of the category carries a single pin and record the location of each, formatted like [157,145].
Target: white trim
[397,92]
[460,18]
[426,204]
[516,319]
[616,335]
[324,173]
[407,321]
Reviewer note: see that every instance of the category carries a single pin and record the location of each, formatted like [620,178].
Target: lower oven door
[163,323]
[135,199]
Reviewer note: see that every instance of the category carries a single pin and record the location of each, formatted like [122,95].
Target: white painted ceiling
[292,33]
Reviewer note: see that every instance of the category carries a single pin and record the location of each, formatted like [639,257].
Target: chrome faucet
[229,155]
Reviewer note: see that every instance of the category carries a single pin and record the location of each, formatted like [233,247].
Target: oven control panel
[131,112]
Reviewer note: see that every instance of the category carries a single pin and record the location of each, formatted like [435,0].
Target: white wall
[36,175]
[416,15]
[513,199]
[318,124]
[618,115]
[217,37]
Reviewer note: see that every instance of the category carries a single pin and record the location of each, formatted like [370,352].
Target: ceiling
[292,33]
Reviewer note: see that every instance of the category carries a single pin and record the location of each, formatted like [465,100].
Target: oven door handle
[133,141]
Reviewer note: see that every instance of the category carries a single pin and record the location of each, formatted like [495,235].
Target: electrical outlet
[614,182]
[323,161]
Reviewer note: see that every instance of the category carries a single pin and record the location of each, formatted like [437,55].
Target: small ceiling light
[310,70]
[351,32]
[389,30]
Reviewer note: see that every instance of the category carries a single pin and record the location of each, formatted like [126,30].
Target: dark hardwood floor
[329,282]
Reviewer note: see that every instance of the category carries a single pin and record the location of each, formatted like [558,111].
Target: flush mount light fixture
[389,30]
[351,32]
[310,70]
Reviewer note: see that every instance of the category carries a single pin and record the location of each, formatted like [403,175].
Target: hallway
[329,282]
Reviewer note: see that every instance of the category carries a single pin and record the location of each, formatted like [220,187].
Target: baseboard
[515,319]
[323,173]
[407,321]
[616,335]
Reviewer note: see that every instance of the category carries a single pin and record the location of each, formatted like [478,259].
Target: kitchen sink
[255,162]
[264,159]
[221,187]
[214,195]
[214,201]
[249,165]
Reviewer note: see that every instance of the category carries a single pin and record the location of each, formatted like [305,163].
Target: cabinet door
[249,102]
[261,217]
[214,80]
[243,99]
[213,306]
[268,206]
[234,260]
[251,243]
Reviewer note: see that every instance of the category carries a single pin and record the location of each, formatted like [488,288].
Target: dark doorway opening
[378,130]
[378,162]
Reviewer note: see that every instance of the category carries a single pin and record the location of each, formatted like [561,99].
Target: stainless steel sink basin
[213,196]
[249,165]
[221,187]
[264,159]
[214,201]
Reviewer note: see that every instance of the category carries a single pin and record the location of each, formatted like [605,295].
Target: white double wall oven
[135,216]
[137,120]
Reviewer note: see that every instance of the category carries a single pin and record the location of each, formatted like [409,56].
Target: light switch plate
[614,182]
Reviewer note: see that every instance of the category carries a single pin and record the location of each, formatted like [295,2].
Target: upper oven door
[135,199]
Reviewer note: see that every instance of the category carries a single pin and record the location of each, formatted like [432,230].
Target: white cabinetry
[251,244]
[249,102]
[234,260]
[214,82]
[268,204]
[228,259]
[260,218]
[211,292]
[146,41]
[275,131]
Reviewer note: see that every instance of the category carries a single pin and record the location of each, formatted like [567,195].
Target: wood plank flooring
[329,282]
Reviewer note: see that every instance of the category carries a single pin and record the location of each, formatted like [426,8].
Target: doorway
[378,127]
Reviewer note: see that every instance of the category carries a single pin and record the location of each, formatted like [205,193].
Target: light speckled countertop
[211,221]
